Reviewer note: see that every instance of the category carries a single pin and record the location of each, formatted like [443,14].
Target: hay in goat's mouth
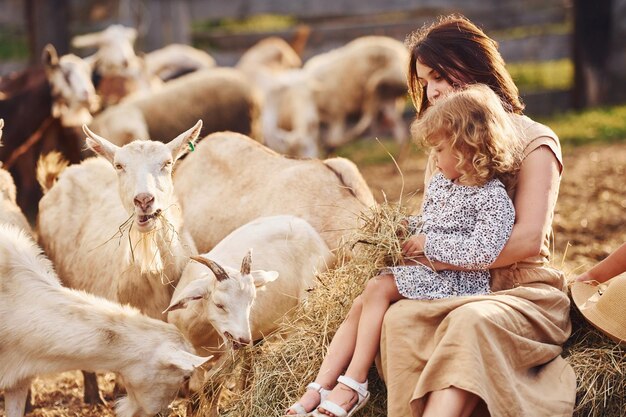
[281,367]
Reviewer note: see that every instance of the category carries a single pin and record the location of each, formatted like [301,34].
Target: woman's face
[435,85]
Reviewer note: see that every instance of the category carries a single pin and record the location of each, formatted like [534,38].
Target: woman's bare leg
[338,357]
[379,293]
[450,402]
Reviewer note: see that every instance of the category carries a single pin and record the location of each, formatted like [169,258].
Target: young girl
[466,220]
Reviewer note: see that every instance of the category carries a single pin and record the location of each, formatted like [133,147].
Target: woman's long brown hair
[461,53]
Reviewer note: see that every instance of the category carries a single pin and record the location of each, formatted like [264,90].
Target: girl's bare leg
[338,357]
[379,293]
[450,402]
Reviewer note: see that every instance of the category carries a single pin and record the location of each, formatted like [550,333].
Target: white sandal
[299,408]
[360,389]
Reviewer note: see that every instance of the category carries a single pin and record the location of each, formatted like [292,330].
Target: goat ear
[246,263]
[217,270]
[195,290]
[49,57]
[100,145]
[183,360]
[185,141]
[261,277]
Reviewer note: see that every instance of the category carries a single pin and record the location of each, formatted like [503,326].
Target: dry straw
[600,367]
[276,372]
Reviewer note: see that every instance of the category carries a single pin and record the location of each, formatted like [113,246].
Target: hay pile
[276,372]
[280,368]
[600,367]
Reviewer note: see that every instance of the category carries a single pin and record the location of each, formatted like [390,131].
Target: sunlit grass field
[574,128]
[541,76]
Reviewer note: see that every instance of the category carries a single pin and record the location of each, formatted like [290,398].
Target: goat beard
[145,250]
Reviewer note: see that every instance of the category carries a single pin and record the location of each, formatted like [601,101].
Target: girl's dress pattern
[466,226]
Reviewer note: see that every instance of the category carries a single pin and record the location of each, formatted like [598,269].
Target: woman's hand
[414,246]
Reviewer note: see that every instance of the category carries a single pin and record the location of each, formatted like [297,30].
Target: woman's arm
[537,191]
[611,266]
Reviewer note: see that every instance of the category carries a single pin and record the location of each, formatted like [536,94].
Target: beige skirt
[503,347]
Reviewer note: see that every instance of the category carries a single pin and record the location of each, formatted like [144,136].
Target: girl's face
[446,159]
[435,85]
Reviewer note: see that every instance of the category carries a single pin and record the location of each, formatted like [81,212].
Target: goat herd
[145,263]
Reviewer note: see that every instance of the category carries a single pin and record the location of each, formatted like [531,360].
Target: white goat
[365,77]
[112,225]
[115,54]
[290,119]
[67,329]
[222,301]
[289,116]
[10,212]
[230,180]
[74,97]
[81,218]
[221,97]
[175,60]
[273,54]
[118,68]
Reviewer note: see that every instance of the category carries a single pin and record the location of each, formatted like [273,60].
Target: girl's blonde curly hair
[480,132]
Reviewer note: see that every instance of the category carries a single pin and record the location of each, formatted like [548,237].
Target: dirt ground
[588,225]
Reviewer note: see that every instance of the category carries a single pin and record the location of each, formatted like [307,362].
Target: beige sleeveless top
[533,135]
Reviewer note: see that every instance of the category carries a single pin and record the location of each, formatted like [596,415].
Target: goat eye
[119,167]
[220,306]
[66,76]
[167,164]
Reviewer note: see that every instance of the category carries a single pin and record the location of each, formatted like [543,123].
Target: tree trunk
[47,22]
[592,38]
[169,22]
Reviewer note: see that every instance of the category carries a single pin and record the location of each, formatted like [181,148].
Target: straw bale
[276,371]
[600,367]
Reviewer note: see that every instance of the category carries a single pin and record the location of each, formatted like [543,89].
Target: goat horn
[245,264]
[219,272]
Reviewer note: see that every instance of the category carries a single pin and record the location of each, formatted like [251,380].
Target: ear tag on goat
[191,146]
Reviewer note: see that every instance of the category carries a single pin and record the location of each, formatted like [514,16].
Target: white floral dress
[466,226]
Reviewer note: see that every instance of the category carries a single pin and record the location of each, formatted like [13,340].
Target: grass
[598,125]
[545,75]
[520,32]
[13,44]
[369,151]
[256,23]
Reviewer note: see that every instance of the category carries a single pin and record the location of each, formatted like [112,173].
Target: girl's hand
[401,231]
[414,246]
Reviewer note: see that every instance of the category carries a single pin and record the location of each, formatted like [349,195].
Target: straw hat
[604,306]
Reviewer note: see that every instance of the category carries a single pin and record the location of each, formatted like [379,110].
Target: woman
[497,354]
